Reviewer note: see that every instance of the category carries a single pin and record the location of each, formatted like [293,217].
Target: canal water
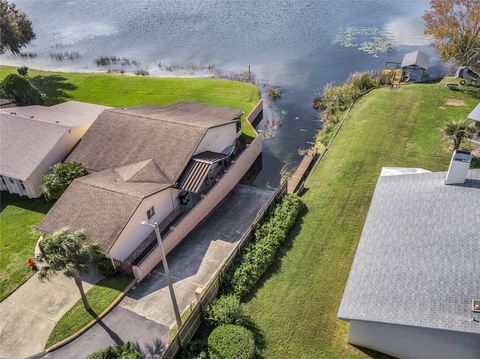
[296,45]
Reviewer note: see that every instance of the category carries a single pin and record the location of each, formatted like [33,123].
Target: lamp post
[167,272]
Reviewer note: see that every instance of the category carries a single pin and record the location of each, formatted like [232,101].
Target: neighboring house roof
[475,114]
[132,153]
[169,136]
[24,143]
[418,260]
[29,133]
[416,58]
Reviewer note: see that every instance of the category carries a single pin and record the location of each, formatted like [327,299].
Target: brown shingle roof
[169,136]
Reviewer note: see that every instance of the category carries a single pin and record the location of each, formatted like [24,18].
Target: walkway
[145,315]
[30,313]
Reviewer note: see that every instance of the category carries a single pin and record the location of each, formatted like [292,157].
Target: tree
[455,28]
[59,178]
[21,90]
[15,28]
[23,71]
[458,130]
[67,252]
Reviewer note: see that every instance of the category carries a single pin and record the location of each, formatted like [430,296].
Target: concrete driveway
[30,313]
[145,315]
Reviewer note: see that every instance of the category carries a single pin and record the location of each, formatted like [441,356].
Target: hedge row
[257,256]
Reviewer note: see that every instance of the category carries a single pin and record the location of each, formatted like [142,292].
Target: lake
[298,46]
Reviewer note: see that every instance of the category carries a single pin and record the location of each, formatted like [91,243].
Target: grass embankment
[20,216]
[18,219]
[295,306]
[122,90]
[100,296]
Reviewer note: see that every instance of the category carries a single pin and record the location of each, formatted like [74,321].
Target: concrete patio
[145,315]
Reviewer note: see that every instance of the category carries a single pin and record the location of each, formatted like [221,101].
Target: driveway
[30,313]
[145,315]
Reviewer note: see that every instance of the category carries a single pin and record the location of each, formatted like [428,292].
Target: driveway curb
[94,321]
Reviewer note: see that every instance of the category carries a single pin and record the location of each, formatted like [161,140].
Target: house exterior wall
[56,154]
[134,232]
[218,138]
[203,208]
[406,342]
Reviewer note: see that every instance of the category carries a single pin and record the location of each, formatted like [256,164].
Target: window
[22,184]
[3,180]
[151,212]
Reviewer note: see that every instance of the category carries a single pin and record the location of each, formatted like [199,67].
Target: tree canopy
[21,90]
[454,26]
[59,178]
[15,28]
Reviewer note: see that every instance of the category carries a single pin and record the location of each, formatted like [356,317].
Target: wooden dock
[300,174]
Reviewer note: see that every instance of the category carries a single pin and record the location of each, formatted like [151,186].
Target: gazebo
[414,65]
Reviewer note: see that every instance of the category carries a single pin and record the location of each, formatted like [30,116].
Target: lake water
[297,45]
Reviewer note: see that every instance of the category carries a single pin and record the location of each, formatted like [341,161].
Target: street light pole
[178,318]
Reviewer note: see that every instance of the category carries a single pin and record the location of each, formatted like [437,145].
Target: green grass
[122,90]
[18,218]
[100,296]
[295,306]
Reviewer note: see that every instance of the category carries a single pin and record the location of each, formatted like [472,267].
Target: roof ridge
[120,111]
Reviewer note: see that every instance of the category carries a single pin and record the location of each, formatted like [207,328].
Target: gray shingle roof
[168,135]
[24,143]
[418,260]
[416,58]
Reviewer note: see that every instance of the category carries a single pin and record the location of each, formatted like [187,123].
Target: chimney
[457,172]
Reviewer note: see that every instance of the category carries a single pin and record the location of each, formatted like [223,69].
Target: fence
[207,294]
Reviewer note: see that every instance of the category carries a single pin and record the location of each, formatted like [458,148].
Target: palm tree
[458,130]
[67,252]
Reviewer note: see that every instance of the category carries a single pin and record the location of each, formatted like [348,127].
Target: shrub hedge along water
[231,342]
[257,256]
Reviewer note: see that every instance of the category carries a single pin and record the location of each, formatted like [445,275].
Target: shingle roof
[24,143]
[169,136]
[418,260]
[416,58]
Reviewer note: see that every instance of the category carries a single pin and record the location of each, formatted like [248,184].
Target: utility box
[459,165]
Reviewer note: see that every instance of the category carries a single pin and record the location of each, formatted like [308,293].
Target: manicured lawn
[295,306]
[100,296]
[122,90]
[18,218]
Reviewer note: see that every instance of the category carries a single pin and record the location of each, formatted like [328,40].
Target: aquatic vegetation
[27,55]
[67,55]
[113,60]
[371,40]
[274,93]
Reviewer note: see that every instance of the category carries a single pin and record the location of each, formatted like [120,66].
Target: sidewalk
[145,315]
[30,313]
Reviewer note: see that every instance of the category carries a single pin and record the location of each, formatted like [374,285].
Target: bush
[225,310]
[59,178]
[274,93]
[197,349]
[21,90]
[22,71]
[125,351]
[231,342]
[105,267]
[254,260]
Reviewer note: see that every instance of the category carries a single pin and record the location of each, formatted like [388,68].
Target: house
[33,138]
[414,65]
[169,165]
[414,286]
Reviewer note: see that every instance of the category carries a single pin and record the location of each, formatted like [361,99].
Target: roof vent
[476,305]
[457,172]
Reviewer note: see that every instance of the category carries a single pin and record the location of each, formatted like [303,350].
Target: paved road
[146,313]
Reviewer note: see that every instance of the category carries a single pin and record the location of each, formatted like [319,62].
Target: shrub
[125,351]
[231,342]
[197,349]
[274,93]
[384,77]
[22,71]
[225,310]
[362,81]
[254,260]
[105,267]
[59,178]
[21,90]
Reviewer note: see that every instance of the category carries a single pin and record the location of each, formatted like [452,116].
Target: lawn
[18,218]
[100,296]
[121,90]
[295,306]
